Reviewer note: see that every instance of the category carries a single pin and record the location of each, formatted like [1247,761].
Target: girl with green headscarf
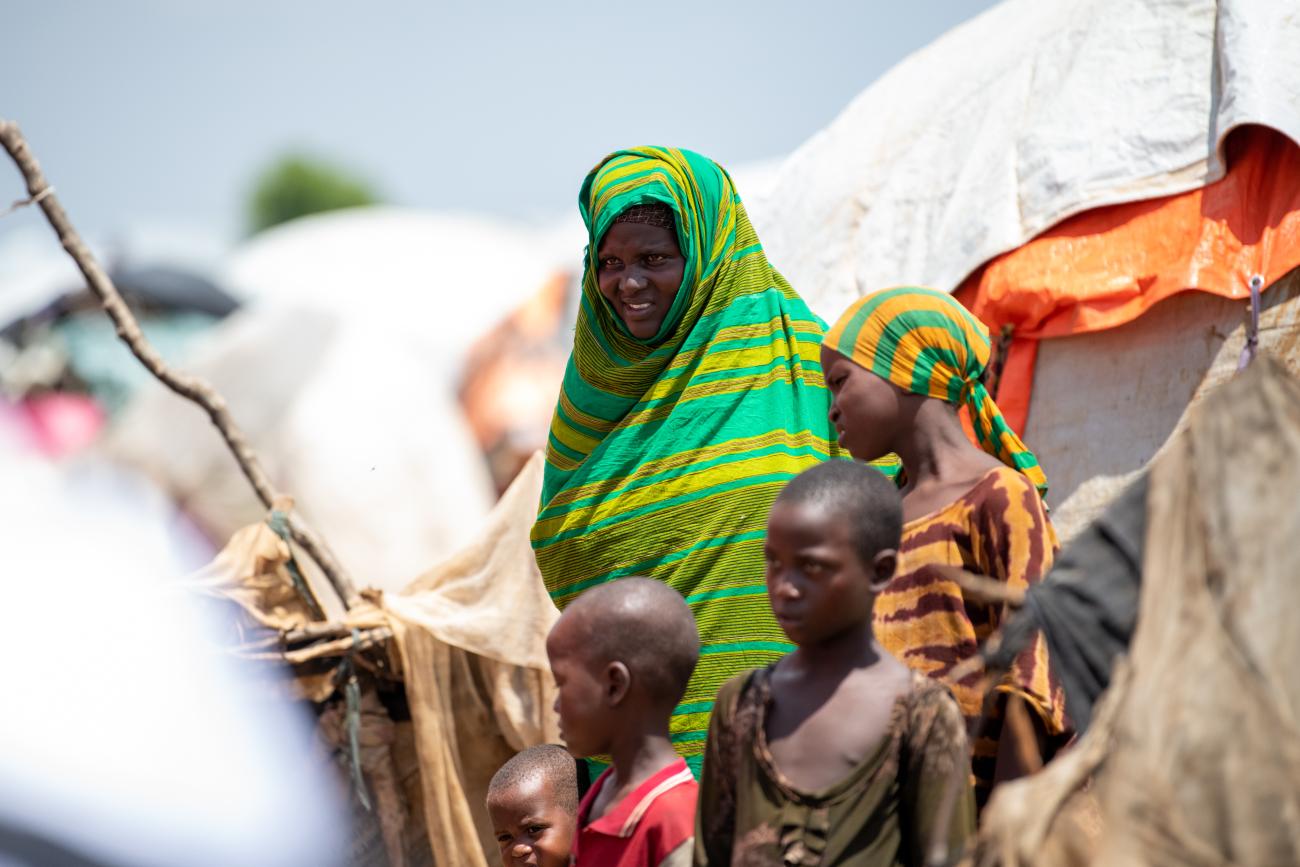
[693,394]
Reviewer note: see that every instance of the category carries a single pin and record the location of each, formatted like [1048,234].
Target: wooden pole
[190,387]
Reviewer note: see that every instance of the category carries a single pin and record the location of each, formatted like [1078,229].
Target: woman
[899,364]
[694,392]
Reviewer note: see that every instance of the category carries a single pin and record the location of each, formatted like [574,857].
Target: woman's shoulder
[1006,489]
[961,500]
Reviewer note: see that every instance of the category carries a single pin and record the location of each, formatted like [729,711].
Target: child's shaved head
[533,803]
[644,624]
[868,501]
[550,762]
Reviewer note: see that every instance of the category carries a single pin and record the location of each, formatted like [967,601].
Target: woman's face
[865,409]
[639,268]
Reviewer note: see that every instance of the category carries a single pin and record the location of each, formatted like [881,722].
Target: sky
[162,112]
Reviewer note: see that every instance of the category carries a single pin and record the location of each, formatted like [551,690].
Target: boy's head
[621,651]
[832,544]
[533,803]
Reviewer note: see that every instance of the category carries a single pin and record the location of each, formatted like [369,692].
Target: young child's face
[816,580]
[587,721]
[864,407]
[530,826]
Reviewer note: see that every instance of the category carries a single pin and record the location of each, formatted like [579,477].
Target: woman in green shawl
[693,394]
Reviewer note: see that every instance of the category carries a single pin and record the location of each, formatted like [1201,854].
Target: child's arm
[715,812]
[936,759]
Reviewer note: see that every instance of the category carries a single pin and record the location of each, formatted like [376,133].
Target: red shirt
[653,826]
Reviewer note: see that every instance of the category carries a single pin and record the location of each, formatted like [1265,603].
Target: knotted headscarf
[927,343]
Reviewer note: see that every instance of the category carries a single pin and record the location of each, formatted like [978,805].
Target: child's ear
[882,568]
[617,682]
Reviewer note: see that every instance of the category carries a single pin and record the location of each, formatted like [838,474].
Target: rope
[22,203]
[279,524]
[352,695]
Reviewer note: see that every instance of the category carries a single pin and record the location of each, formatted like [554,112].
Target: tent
[1025,115]
[360,424]
[1071,171]
[442,278]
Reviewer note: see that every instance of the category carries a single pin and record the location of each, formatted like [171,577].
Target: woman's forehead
[638,236]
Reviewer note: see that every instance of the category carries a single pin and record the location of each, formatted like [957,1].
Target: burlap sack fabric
[1193,756]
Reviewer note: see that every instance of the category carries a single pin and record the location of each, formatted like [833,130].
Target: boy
[533,800]
[621,654]
[837,754]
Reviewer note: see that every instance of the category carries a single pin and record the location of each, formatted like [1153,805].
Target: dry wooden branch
[364,640]
[196,390]
[983,589]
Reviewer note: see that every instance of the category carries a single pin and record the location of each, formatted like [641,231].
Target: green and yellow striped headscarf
[665,455]
[926,342]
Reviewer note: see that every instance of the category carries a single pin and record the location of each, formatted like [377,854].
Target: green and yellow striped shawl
[665,455]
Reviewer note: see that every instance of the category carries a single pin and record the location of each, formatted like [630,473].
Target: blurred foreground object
[1194,752]
[128,738]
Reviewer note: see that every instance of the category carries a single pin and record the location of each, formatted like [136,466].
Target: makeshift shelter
[1069,169]
[357,421]
[444,279]
[440,683]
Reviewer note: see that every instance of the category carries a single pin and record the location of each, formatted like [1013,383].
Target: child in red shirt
[621,654]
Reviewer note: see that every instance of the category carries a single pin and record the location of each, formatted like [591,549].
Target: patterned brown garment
[881,815]
[999,529]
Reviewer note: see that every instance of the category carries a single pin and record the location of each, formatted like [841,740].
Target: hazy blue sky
[162,111]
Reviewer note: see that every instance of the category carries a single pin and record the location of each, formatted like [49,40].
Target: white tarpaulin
[355,420]
[1019,118]
[442,278]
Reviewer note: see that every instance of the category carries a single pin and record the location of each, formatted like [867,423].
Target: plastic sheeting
[1018,119]
[1108,266]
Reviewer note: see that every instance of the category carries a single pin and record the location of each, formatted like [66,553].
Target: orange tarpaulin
[1108,266]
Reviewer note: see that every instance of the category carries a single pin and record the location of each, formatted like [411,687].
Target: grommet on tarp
[1249,351]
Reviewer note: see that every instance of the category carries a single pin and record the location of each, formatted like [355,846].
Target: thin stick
[338,647]
[196,390]
[981,588]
